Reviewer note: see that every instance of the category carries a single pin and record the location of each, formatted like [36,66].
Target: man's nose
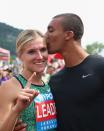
[46,35]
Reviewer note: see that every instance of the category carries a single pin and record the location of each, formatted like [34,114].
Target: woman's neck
[37,79]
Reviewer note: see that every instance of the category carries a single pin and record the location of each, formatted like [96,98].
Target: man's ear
[69,35]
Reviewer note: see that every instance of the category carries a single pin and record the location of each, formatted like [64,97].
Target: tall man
[78,89]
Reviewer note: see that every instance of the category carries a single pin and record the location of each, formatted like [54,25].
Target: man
[78,88]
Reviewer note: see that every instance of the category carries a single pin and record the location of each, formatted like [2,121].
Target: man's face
[55,36]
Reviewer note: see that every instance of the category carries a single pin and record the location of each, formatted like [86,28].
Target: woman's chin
[40,72]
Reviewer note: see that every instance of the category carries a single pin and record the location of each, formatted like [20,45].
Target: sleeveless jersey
[41,113]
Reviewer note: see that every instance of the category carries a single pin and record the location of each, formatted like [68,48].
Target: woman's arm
[8,116]
[9,122]
[23,100]
[12,101]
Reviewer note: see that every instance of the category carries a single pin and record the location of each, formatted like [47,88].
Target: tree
[94,48]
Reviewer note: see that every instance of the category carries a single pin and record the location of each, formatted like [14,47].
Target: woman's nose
[39,55]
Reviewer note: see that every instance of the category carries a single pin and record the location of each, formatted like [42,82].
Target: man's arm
[20,126]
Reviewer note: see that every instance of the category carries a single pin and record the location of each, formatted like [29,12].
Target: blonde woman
[40,115]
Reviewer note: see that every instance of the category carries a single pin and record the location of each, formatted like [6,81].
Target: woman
[40,114]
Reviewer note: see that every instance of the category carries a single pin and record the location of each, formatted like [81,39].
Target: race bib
[45,112]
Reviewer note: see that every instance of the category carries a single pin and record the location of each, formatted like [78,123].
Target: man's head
[62,29]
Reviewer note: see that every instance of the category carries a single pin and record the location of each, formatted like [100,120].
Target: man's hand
[20,126]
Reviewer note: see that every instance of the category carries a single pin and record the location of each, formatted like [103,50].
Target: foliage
[94,48]
[8,36]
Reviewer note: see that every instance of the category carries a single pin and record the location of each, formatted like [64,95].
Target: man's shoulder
[98,58]
[96,61]
[57,77]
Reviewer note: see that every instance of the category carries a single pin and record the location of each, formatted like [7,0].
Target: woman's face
[34,56]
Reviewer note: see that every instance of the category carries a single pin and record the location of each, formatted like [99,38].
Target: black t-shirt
[79,96]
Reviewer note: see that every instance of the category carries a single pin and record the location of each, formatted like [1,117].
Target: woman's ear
[69,35]
[19,56]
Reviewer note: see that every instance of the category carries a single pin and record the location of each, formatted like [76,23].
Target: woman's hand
[25,97]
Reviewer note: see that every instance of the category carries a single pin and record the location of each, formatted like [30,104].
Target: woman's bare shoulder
[10,88]
[8,94]
[11,83]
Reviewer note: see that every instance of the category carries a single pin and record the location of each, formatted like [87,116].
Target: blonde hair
[26,36]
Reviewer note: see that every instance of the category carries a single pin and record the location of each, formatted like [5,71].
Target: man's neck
[74,55]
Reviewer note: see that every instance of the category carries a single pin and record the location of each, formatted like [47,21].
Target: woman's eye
[31,52]
[43,49]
